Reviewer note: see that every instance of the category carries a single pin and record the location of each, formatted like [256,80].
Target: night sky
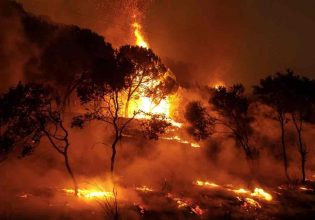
[206,41]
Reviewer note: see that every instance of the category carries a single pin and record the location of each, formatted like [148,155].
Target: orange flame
[139,37]
[90,194]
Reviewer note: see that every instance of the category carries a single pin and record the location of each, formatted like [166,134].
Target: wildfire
[258,193]
[146,104]
[90,194]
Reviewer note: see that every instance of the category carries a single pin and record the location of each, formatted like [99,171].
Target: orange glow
[90,194]
[258,193]
[143,103]
[144,189]
[180,140]
[217,84]
[241,191]
[206,183]
[251,202]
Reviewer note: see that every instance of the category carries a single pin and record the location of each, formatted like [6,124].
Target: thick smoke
[30,47]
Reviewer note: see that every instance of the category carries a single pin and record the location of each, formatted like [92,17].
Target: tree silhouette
[28,113]
[276,92]
[155,126]
[232,105]
[103,101]
[201,123]
[301,94]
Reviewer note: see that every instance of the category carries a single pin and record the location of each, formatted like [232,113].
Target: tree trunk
[66,158]
[303,156]
[284,152]
[112,162]
[302,149]
[64,153]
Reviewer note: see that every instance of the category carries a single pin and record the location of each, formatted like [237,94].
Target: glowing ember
[241,191]
[249,202]
[202,183]
[179,140]
[24,196]
[181,203]
[197,210]
[144,189]
[303,188]
[91,194]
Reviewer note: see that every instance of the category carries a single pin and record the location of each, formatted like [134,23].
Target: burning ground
[93,131]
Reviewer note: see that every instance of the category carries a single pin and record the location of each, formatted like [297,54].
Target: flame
[90,194]
[217,84]
[258,193]
[138,34]
[146,104]
[206,183]
[143,103]
[241,191]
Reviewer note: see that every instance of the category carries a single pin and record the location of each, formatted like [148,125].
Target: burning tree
[28,113]
[232,105]
[149,77]
[104,102]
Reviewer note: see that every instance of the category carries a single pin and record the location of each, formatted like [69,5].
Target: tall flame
[138,34]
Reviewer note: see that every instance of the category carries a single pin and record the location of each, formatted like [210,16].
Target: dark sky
[206,40]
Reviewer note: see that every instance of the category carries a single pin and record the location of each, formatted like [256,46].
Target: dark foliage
[288,93]
[28,113]
[201,123]
[232,105]
[155,127]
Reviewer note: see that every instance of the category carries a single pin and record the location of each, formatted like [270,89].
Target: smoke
[13,50]
[195,59]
